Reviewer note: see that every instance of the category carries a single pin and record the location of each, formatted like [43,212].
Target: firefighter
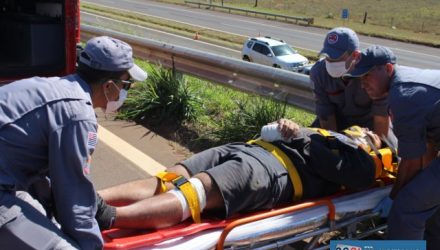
[305,163]
[413,95]
[341,103]
[48,132]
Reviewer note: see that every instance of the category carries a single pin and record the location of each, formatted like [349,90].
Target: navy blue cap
[370,57]
[338,41]
[110,54]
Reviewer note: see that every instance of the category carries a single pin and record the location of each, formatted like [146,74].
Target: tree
[256,3]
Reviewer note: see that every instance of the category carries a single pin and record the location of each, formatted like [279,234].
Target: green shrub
[246,120]
[163,96]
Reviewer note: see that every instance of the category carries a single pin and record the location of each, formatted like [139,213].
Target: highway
[112,167]
[298,36]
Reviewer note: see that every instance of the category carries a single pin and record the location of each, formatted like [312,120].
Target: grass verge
[408,21]
[199,114]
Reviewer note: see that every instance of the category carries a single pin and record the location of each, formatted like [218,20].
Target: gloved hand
[384,207]
[105,214]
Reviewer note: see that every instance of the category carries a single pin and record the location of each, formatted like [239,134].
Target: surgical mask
[113,106]
[336,69]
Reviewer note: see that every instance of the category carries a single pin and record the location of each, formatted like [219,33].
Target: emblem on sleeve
[92,139]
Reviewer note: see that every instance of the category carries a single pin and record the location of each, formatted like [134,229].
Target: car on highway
[273,52]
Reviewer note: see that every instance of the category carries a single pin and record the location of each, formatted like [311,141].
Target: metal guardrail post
[281,84]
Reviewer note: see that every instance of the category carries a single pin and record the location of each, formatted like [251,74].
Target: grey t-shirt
[414,100]
[347,100]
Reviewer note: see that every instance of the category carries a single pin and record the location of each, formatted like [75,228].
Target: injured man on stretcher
[222,181]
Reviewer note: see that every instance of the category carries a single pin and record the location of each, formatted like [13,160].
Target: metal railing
[281,84]
[306,20]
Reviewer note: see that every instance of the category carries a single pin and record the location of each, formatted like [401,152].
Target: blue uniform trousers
[415,214]
[23,224]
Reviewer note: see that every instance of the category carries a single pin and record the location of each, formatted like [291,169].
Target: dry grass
[403,20]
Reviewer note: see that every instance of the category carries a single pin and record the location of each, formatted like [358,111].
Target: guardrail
[281,84]
[307,20]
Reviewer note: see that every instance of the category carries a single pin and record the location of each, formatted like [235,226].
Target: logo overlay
[332,38]
[377,245]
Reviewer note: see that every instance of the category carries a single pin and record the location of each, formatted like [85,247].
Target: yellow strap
[162,176]
[355,131]
[324,132]
[385,162]
[188,191]
[287,164]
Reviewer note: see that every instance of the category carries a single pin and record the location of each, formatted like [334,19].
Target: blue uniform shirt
[348,102]
[48,128]
[414,100]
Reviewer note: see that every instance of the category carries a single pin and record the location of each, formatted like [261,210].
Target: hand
[288,128]
[384,207]
[105,214]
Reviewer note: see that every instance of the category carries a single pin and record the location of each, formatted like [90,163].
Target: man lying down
[306,163]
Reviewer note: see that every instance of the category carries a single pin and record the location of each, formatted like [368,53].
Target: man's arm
[408,168]
[430,154]
[74,197]
[330,123]
[381,125]
[324,108]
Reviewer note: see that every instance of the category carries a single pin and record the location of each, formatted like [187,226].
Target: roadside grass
[326,17]
[202,114]
[165,97]
[403,20]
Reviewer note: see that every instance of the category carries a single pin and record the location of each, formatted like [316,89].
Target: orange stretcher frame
[134,238]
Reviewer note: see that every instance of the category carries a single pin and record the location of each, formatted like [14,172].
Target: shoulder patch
[92,139]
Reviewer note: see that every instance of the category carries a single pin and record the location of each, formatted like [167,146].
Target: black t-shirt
[325,164]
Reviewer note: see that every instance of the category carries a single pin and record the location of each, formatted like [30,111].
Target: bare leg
[134,191]
[163,210]
[159,211]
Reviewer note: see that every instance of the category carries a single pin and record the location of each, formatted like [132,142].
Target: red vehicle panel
[39,38]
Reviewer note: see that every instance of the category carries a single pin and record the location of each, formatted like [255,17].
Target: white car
[272,52]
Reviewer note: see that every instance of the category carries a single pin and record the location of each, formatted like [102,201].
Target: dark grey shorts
[249,177]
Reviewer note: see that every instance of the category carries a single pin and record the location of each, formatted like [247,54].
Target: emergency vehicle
[38,38]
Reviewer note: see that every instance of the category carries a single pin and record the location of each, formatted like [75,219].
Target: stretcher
[350,215]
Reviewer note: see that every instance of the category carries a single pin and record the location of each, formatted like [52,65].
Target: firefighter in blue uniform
[341,103]
[48,131]
[414,102]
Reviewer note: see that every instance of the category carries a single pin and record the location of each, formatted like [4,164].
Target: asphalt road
[156,35]
[127,151]
[298,36]
[112,167]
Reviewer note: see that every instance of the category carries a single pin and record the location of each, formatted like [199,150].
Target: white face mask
[113,106]
[336,69]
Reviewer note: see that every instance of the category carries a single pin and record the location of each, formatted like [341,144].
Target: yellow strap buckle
[187,189]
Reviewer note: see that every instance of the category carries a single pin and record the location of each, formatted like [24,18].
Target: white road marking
[159,31]
[132,154]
